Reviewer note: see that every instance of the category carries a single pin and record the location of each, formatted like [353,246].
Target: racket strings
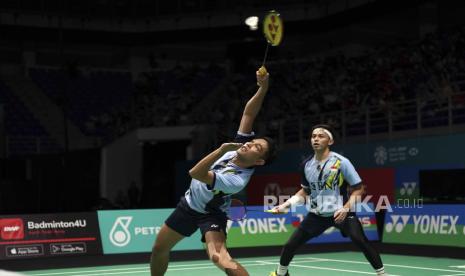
[237,210]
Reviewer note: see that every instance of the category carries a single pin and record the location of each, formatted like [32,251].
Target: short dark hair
[324,126]
[272,151]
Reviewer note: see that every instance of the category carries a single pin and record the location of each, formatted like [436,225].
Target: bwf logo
[12,229]
[398,223]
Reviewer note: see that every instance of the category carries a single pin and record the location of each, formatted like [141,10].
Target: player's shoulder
[340,157]
[305,160]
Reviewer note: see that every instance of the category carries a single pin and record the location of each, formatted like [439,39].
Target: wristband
[296,200]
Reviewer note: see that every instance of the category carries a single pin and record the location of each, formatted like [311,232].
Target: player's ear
[331,141]
[260,162]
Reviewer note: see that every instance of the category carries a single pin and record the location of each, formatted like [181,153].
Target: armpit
[352,188]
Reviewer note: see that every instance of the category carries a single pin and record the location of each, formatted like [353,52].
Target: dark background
[109,68]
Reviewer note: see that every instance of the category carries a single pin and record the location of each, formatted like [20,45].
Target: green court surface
[342,263]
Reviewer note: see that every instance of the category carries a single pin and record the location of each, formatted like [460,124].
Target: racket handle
[262,71]
[276,212]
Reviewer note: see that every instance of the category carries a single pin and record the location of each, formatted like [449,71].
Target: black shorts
[186,221]
[315,225]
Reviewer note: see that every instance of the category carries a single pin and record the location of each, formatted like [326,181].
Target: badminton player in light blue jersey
[223,172]
[332,186]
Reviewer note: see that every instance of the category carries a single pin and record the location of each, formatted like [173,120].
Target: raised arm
[254,104]
[201,171]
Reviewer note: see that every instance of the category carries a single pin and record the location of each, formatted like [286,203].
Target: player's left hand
[340,215]
[230,146]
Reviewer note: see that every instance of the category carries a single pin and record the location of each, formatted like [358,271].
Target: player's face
[320,140]
[253,151]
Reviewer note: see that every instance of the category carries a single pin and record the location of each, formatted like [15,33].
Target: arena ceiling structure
[146,21]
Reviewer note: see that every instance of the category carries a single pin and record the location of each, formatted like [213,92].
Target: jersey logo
[231,171]
[332,179]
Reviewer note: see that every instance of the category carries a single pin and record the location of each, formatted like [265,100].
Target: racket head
[237,210]
[273,28]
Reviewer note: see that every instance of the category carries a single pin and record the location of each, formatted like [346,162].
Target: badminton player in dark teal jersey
[331,185]
[223,172]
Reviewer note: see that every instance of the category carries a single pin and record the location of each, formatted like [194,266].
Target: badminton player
[223,172]
[331,185]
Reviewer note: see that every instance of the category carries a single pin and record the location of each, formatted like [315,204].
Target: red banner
[271,184]
[378,182]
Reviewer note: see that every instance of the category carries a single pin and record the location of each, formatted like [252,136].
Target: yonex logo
[408,188]
[263,225]
[398,223]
